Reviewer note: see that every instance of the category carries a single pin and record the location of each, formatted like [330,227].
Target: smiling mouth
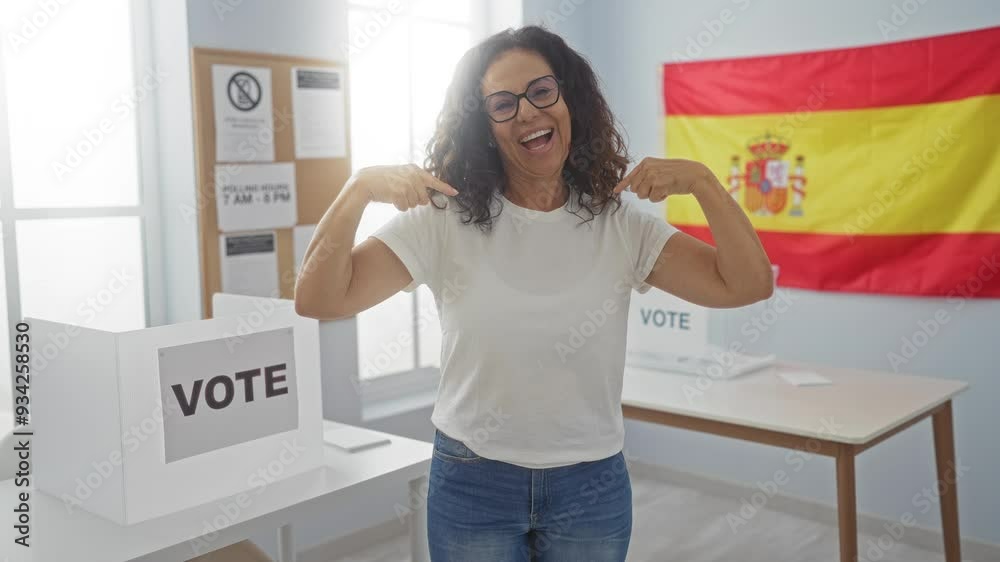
[537,140]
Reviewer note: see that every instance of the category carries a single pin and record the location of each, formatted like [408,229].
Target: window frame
[147,210]
[393,393]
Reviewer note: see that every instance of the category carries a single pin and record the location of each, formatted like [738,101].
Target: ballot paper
[353,439]
[804,378]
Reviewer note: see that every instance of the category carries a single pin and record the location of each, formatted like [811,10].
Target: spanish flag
[873,169]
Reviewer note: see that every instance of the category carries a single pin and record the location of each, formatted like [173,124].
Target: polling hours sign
[227,391]
[255,196]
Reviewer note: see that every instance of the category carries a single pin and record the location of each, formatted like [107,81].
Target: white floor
[676,524]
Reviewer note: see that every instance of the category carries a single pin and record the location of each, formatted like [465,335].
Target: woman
[517,226]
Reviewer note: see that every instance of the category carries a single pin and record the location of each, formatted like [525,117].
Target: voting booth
[133,425]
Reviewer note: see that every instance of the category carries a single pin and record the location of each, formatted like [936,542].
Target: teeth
[535,135]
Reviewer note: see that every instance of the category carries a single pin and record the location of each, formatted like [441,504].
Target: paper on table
[352,439]
[804,378]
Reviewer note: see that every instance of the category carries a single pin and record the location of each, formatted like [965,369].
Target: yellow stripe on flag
[900,170]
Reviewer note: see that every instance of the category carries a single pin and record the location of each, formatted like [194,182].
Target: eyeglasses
[541,92]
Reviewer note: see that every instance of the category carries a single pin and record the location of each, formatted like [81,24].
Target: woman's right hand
[404,186]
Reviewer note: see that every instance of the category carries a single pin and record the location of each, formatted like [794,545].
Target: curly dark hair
[459,153]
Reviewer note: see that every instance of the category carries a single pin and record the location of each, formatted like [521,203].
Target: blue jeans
[484,510]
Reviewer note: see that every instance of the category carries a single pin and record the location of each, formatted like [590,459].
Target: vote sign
[659,321]
[227,391]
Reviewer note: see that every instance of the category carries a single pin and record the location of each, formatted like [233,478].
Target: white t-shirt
[533,320]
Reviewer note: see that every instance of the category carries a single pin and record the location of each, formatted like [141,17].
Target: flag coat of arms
[871,169]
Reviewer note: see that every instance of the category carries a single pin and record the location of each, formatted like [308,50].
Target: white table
[866,407]
[345,482]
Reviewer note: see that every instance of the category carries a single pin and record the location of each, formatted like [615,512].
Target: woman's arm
[736,272]
[338,279]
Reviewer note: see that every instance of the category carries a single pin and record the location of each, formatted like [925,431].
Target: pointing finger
[626,180]
[437,185]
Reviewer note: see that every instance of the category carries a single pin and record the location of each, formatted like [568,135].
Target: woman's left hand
[657,178]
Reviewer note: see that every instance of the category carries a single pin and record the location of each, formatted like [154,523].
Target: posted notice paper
[255,196]
[320,120]
[244,123]
[250,264]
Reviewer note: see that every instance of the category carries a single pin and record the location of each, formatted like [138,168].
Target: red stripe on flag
[959,265]
[935,69]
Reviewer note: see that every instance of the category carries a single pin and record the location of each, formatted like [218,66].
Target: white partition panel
[175,416]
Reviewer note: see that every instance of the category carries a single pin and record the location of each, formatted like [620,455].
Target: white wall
[306,28]
[627,42]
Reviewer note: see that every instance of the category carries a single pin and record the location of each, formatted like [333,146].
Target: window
[73,206]
[401,57]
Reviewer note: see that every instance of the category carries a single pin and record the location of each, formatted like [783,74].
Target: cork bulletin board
[317,180]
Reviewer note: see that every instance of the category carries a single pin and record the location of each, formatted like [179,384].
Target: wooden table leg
[947,480]
[847,508]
